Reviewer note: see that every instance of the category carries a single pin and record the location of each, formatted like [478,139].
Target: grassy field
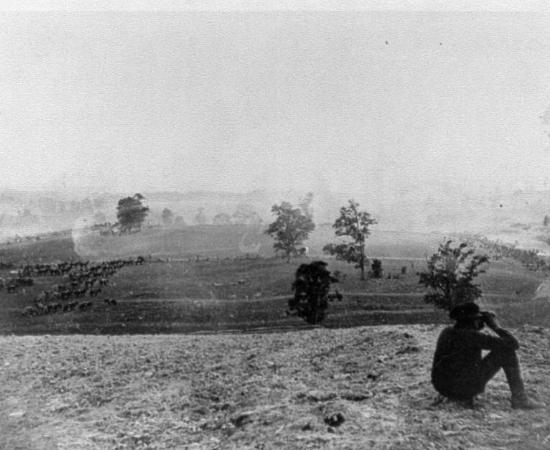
[213,295]
[226,290]
[204,240]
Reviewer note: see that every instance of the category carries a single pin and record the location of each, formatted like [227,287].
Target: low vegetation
[209,287]
[311,288]
[451,273]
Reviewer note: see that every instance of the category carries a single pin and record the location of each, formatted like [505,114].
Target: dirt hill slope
[351,388]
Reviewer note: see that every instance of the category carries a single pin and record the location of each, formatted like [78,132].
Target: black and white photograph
[253,225]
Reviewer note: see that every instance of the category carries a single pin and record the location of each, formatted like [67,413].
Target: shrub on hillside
[376,268]
[311,292]
[450,275]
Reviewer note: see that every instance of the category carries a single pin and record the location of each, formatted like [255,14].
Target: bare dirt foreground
[350,388]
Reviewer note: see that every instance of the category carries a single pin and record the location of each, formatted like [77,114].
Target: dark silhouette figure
[460,373]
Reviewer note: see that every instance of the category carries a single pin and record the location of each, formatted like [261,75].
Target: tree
[200,218]
[99,217]
[305,205]
[290,229]
[131,213]
[167,217]
[311,292]
[450,275]
[221,219]
[245,214]
[354,224]
[86,206]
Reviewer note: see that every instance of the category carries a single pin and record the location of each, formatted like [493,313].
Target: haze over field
[373,104]
[432,120]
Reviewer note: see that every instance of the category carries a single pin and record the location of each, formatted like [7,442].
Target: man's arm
[509,340]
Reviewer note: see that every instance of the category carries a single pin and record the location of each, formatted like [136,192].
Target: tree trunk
[362,262]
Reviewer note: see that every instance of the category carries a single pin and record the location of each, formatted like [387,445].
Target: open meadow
[220,288]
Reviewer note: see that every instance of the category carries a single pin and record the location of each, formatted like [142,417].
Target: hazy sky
[352,101]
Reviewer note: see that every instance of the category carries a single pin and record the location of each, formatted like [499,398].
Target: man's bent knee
[504,356]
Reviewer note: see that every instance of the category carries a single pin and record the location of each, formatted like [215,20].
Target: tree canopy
[245,214]
[354,224]
[131,213]
[221,219]
[200,217]
[167,217]
[450,275]
[311,288]
[290,229]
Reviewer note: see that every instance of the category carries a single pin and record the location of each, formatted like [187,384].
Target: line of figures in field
[79,279]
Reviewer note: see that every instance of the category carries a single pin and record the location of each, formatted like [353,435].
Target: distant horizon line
[85,191]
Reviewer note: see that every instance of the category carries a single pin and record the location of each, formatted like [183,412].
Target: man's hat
[465,311]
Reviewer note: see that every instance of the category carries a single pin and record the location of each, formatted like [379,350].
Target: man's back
[457,360]
[456,363]
[459,371]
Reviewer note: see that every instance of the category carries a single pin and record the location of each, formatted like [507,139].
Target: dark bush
[376,268]
[311,292]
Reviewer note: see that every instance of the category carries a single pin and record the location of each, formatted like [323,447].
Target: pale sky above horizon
[236,101]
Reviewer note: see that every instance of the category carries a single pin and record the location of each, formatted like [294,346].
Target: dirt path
[355,388]
[418,295]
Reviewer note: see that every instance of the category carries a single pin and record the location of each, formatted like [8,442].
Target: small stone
[355,396]
[320,396]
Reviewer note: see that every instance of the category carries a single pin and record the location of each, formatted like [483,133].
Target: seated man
[460,373]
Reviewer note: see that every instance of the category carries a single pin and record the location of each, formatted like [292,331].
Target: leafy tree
[86,206]
[179,220]
[167,217]
[75,206]
[99,202]
[131,213]
[290,229]
[311,292]
[200,217]
[245,214]
[221,219]
[60,207]
[99,217]
[354,224]
[450,275]
[546,221]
